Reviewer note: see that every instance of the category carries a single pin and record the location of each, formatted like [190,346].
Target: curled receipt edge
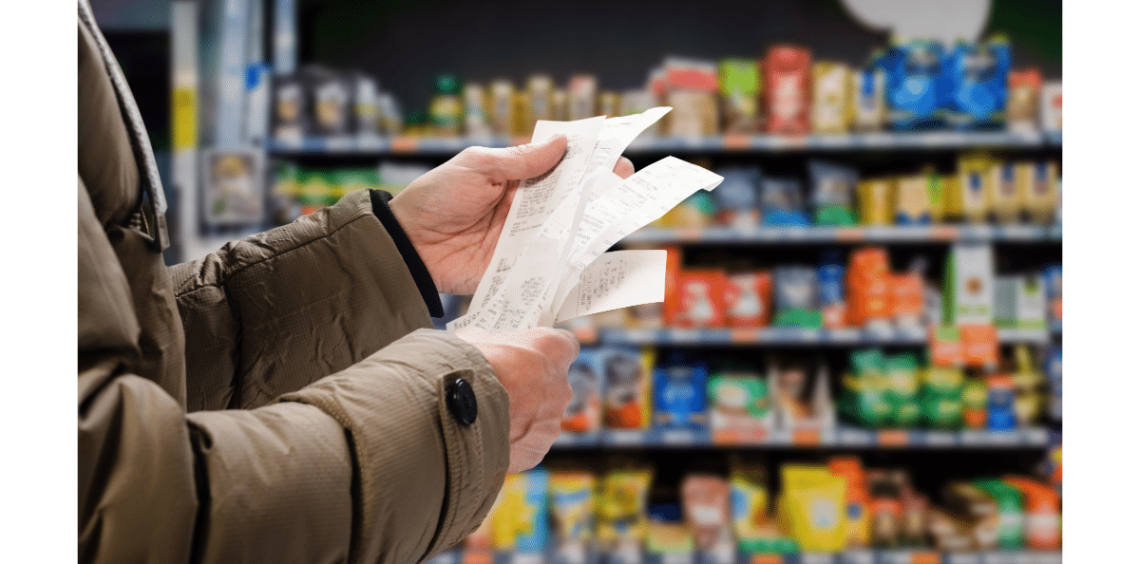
[550,263]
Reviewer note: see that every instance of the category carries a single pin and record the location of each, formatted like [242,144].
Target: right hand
[532,365]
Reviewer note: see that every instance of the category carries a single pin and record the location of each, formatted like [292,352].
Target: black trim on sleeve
[416,266]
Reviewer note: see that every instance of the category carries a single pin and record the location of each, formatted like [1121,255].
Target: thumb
[522,161]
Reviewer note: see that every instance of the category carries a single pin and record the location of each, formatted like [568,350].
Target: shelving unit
[791,336]
[839,437]
[901,556]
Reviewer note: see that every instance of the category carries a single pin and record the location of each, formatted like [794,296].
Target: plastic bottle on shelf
[446,108]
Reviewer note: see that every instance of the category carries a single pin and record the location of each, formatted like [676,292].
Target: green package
[734,388]
[1011,515]
[902,389]
[940,397]
[974,393]
[316,188]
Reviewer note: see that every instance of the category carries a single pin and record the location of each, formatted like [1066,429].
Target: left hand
[453,214]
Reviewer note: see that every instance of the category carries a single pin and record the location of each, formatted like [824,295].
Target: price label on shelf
[850,234]
[478,557]
[805,437]
[925,558]
[736,141]
[744,335]
[404,144]
[893,438]
[767,559]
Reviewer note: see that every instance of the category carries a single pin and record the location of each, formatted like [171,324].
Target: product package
[679,393]
[876,201]
[885,508]
[666,533]
[690,88]
[519,521]
[234,187]
[1029,387]
[1000,415]
[940,397]
[869,99]
[969,287]
[560,105]
[584,414]
[856,511]
[700,299]
[1042,513]
[917,82]
[738,198]
[366,110]
[748,299]
[868,288]
[833,193]
[972,194]
[290,109]
[476,122]
[1053,369]
[832,298]
[796,298]
[1005,202]
[331,95]
[446,110]
[1051,107]
[980,84]
[831,88]
[621,511]
[572,510]
[972,506]
[912,200]
[540,89]
[1019,302]
[906,297]
[902,392]
[863,399]
[787,90]
[1010,510]
[694,212]
[739,403]
[626,387]
[782,203]
[1053,291]
[813,507]
[802,401]
[705,498]
[1038,186]
[583,94]
[752,523]
[740,95]
[1024,96]
[974,398]
[609,103]
[502,107]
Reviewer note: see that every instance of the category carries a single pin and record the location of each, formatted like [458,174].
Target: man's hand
[453,214]
[532,366]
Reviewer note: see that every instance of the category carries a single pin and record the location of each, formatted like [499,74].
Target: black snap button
[461,401]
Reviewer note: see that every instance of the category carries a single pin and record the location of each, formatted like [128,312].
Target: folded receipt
[550,263]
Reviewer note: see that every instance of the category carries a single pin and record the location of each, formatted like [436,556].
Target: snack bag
[707,511]
[971,505]
[700,295]
[916,85]
[679,393]
[1005,202]
[796,298]
[665,531]
[519,521]
[1051,107]
[940,398]
[290,109]
[979,88]
[832,298]
[750,504]
[833,193]
[1053,294]
[902,377]
[863,399]
[1010,510]
[740,95]
[974,397]
[787,77]
[906,295]
[856,511]
[1042,513]
[572,513]
[868,287]
[626,384]
[831,86]
[739,401]
[584,414]
[886,508]
[738,198]
[1038,186]
[446,109]
[748,299]
[690,88]
[974,189]
[813,504]
[781,203]
[621,508]
[1000,415]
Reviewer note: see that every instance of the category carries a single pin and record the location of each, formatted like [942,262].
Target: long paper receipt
[550,262]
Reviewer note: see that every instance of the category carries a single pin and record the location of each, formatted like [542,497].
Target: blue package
[1000,415]
[738,198]
[536,484]
[831,284]
[782,203]
[1053,373]
[679,393]
[917,83]
[1052,282]
[584,414]
[979,75]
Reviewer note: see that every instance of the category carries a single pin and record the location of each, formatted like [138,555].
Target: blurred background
[859,355]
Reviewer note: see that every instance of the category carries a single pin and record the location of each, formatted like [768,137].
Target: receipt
[616,280]
[546,265]
[537,198]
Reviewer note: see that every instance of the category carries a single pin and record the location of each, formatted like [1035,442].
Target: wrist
[389,218]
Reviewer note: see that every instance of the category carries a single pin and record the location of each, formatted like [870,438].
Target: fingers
[624,168]
[559,345]
[519,162]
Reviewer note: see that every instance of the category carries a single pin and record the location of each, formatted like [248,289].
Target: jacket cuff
[415,264]
[424,480]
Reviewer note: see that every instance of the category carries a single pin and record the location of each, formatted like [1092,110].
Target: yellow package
[831,110]
[1005,201]
[572,505]
[523,124]
[621,506]
[502,107]
[951,205]
[1037,189]
[750,503]
[812,505]
[912,200]
[972,194]
[519,520]
[876,204]
[936,188]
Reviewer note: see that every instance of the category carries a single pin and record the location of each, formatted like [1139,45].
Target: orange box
[906,295]
[979,345]
[700,299]
[946,347]
[748,299]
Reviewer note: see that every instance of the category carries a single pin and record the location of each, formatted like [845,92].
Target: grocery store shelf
[349,146]
[790,336]
[840,437]
[904,556]
[861,234]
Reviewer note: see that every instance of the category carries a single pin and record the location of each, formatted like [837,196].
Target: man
[281,400]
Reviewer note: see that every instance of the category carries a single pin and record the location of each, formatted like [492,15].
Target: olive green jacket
[280,400]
